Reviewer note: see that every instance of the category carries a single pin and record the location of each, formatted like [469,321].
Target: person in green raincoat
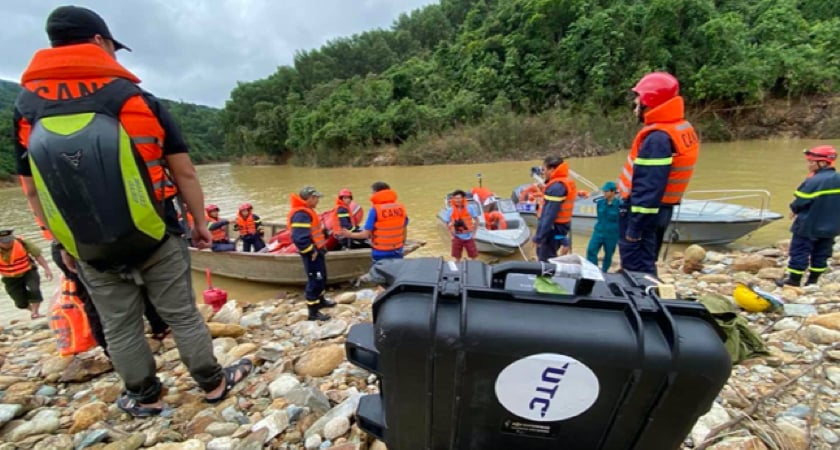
[605,233]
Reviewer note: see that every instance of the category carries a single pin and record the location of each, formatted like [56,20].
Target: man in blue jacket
[816,209]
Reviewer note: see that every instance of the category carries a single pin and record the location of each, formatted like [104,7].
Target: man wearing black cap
[72,119]
[310,240]
[20,276]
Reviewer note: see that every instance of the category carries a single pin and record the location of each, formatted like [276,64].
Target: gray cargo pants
[165,278]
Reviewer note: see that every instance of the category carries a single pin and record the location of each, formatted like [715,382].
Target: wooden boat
[704,217]
[284,268]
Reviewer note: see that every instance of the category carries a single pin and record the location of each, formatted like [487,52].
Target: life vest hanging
[69,321]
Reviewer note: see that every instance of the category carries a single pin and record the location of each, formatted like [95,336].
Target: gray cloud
[196,50]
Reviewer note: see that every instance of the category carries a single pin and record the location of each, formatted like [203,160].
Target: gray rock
[229,313]
[799,411]
[284,384]
[46,391]
[788,323]
[231,414]
[325,445]
[833,375]
[294,412]
[220,429]
[55,442]
[275,423]
[790,347]
[271,352]
[827,435]
[252,320]
[830,418]
[309,397]
[312,442]
[88,439]
[333,328]
[336,427]
[222,443]
[45,422]
[797,310]
[346,409]
[9,412]
[716,416]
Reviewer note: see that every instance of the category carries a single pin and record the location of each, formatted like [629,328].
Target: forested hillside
[471,79]
[200,124]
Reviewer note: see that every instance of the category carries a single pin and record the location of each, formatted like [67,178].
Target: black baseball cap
[68,25]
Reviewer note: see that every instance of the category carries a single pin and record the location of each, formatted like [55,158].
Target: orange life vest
[357,212]
[70,323]
[315,228]
[531,194]
[73,71]
[219,234]
[389,229]
[495,220]
[670,118]
[482,193]
[246,225]
[335,219]
[561,175]
[461,212]
[18,263]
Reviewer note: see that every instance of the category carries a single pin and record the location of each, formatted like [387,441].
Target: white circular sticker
[547,387]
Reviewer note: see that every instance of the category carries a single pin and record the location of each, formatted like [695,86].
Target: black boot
[314,314]
[324,303]
[793,279]
[812,278]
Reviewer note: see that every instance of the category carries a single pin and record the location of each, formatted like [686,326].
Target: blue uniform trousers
[641,256]
[808,254]
[316,276]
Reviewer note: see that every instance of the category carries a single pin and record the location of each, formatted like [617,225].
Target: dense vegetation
[200,125]
[496,78]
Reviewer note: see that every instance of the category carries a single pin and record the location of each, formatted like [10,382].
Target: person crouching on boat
[816,212]
[250,228]
[493,218]
[310,240]
[218,230]
[554,226]
[605,233]
[463,222]
[346,216]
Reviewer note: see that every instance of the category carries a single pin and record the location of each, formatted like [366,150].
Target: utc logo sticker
[547,387]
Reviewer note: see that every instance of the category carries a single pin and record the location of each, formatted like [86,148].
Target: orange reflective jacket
[315,227]
[219,234]
[389,228]
[246,225]
[561,175]
[495,220]
[670,118]
[482,193]
[73,71]
[70,323]
[18,263]
[461,212]
[343,210]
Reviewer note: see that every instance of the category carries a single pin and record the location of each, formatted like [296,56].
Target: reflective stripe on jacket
[669,118]
[316,230]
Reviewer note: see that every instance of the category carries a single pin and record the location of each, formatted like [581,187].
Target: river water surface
[776,166]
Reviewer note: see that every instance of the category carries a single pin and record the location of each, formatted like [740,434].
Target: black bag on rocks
[471,357]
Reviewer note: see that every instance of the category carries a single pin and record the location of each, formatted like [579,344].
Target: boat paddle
[213,296]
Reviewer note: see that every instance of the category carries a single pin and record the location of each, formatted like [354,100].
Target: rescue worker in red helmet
[250,228]
[218,230]
[816,213]
[657,171]
[346,219]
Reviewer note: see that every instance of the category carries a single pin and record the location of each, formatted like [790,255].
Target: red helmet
[345,193]
[211,207]
[245,206]
[825,153]
[656,88]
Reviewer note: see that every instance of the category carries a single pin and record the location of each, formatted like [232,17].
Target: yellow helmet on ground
[753,299]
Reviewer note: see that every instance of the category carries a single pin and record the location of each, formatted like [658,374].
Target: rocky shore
[303,392]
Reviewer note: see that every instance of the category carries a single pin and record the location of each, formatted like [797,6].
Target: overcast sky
[196,50]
